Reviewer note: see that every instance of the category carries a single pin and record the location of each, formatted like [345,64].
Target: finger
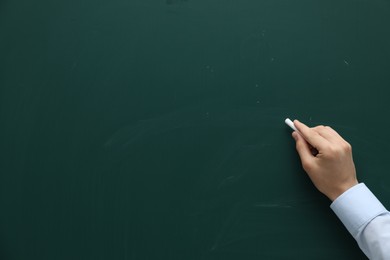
[329,134]
[337,135]
[303,149]
[310,135]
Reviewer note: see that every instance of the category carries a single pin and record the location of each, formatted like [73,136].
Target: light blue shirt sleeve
[366,219]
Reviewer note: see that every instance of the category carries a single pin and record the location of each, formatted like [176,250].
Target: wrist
[341,189]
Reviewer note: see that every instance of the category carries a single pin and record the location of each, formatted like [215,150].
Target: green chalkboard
[154,129]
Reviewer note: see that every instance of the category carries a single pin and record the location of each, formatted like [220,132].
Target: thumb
[303,149]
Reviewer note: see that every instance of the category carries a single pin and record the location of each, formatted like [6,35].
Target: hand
[332,170]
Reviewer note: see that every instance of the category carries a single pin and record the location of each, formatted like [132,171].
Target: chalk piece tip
[290,124]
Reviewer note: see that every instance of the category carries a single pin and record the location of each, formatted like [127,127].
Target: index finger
[328,133]
[311,136]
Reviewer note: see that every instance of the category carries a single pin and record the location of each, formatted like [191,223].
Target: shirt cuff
[356,207]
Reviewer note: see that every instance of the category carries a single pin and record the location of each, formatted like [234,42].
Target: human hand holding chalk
[291,124]
[331,168]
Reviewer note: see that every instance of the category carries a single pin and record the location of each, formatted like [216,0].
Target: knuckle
[328,149]
[338,150]
[299,145]
[320,127]
[307,166]
[347,147]
[333,151]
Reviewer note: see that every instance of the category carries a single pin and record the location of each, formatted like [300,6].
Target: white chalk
[290,124]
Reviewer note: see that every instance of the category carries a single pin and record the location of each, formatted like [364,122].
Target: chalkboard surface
[153,129]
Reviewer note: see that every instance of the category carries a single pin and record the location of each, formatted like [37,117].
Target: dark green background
[153,129]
